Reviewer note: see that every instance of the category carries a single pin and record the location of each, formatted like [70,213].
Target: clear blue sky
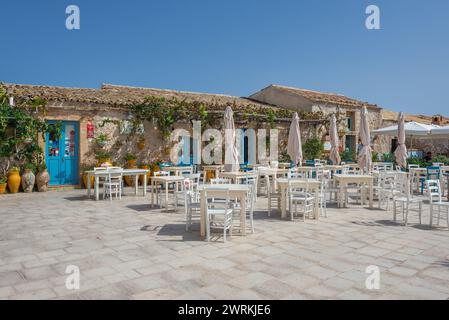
[236,47]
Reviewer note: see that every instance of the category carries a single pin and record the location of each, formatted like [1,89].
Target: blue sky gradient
[236,47]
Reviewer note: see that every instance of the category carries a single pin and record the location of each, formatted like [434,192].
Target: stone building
[308,101]
[110,112]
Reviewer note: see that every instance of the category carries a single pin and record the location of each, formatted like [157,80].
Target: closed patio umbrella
[231,152]
[294,147]
[334,155]
[401,150]
[364,157]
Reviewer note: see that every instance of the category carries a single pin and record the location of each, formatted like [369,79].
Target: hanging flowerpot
[14,180]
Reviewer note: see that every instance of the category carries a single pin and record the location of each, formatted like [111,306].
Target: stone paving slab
[126,250]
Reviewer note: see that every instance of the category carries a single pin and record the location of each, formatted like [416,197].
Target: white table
[177,169]
[126,172]
[345,179]
[237,176]
[236,191]
[165,180]
[314,185]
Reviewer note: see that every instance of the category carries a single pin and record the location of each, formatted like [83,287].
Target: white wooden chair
[191,203]
[435,200]
[113,184]
[250,203]
[405,200]
[218,214]
[389,188]
[159,186]
[300,197]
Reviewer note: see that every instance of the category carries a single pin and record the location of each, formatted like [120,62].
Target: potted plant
[14,180]
[131,159]
[84,169]
[3,183]
[141,143]
[42,178]
[102,140]
[132,163]
[104,158]
[146,166]
[28,178]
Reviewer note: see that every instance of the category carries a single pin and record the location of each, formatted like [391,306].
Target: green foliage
[348,156]
[41,167]
[19,130]
[284,156]
[3,179]
[102,155]
[130,156]
[419,161]
[441,159]
[271,117]
[313,148]
[388,157]
[102,138]
[29,166]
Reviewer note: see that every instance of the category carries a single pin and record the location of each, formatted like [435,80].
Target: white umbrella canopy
[334,155]
[410,128]
[231,152]
[294,146]
[365,155]
[442,132]
[401,151]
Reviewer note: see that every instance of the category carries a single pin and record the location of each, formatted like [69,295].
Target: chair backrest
[413,166]
[402,183]
[195,177]
[434,190]
[100,168]
[319,173]
[219,181]
[250,178]
[433,173]
[161,173]
[209,198]
[437,164]
[114,175]
[292,188]
[114,168]
[274,164]
[296,175]
[187,170]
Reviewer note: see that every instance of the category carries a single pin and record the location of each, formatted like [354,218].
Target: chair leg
[420,212]
[431,215]
[394,211]
[406,214]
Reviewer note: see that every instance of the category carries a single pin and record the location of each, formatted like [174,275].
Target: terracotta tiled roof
[119,96]
[322,97]
[388,115]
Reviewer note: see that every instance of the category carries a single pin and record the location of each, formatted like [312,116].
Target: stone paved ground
[127,251]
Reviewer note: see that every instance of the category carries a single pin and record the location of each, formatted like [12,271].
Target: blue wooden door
[61,154]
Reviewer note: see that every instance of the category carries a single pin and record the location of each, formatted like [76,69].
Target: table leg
[136,184]
[371,194]
[317,204]
[96,187]
[243,214]
[283,203]
[175,194]
[145,177]
[166,197]
[152,193]
[202,215]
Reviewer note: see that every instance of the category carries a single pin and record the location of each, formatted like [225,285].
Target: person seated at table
[428,157]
